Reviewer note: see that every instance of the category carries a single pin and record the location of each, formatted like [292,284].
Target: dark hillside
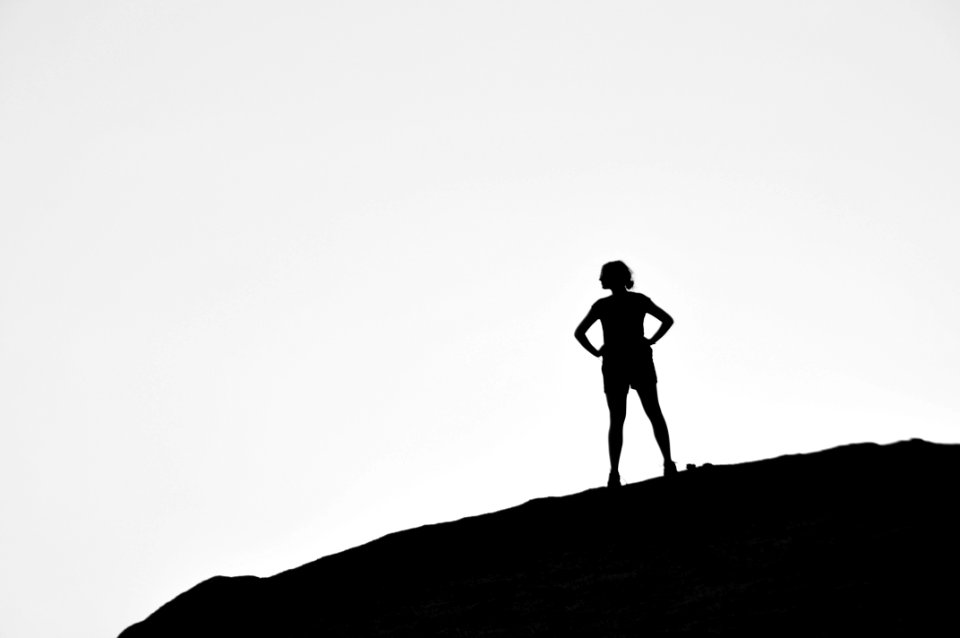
[861,538]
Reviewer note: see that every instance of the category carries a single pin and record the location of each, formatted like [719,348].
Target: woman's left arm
[666,321]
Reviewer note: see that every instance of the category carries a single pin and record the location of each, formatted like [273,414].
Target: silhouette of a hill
[852,540]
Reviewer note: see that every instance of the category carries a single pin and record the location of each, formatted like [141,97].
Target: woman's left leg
[651,405]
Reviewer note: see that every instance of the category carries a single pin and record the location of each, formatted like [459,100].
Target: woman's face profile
[605,280]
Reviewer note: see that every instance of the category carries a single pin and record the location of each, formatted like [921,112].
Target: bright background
[278,278]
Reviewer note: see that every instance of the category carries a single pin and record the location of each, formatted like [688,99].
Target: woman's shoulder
[631,299]
[601,305]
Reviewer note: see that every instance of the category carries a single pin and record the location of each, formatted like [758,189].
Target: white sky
[278,278]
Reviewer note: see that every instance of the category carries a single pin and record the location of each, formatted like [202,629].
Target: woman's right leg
[617,404]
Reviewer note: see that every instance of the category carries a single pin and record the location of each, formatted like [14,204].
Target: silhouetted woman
[627,358]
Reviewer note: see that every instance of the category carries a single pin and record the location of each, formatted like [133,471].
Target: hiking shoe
[669,468]
[614,480]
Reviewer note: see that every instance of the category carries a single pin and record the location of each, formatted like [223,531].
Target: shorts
[620,373]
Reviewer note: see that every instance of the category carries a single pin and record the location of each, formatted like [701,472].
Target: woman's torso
[621,317]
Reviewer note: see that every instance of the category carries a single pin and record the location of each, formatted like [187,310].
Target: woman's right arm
[580,334]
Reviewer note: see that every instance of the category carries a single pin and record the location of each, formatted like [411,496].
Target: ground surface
[854,539]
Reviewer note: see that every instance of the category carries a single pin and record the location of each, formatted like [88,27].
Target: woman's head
[615,274]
